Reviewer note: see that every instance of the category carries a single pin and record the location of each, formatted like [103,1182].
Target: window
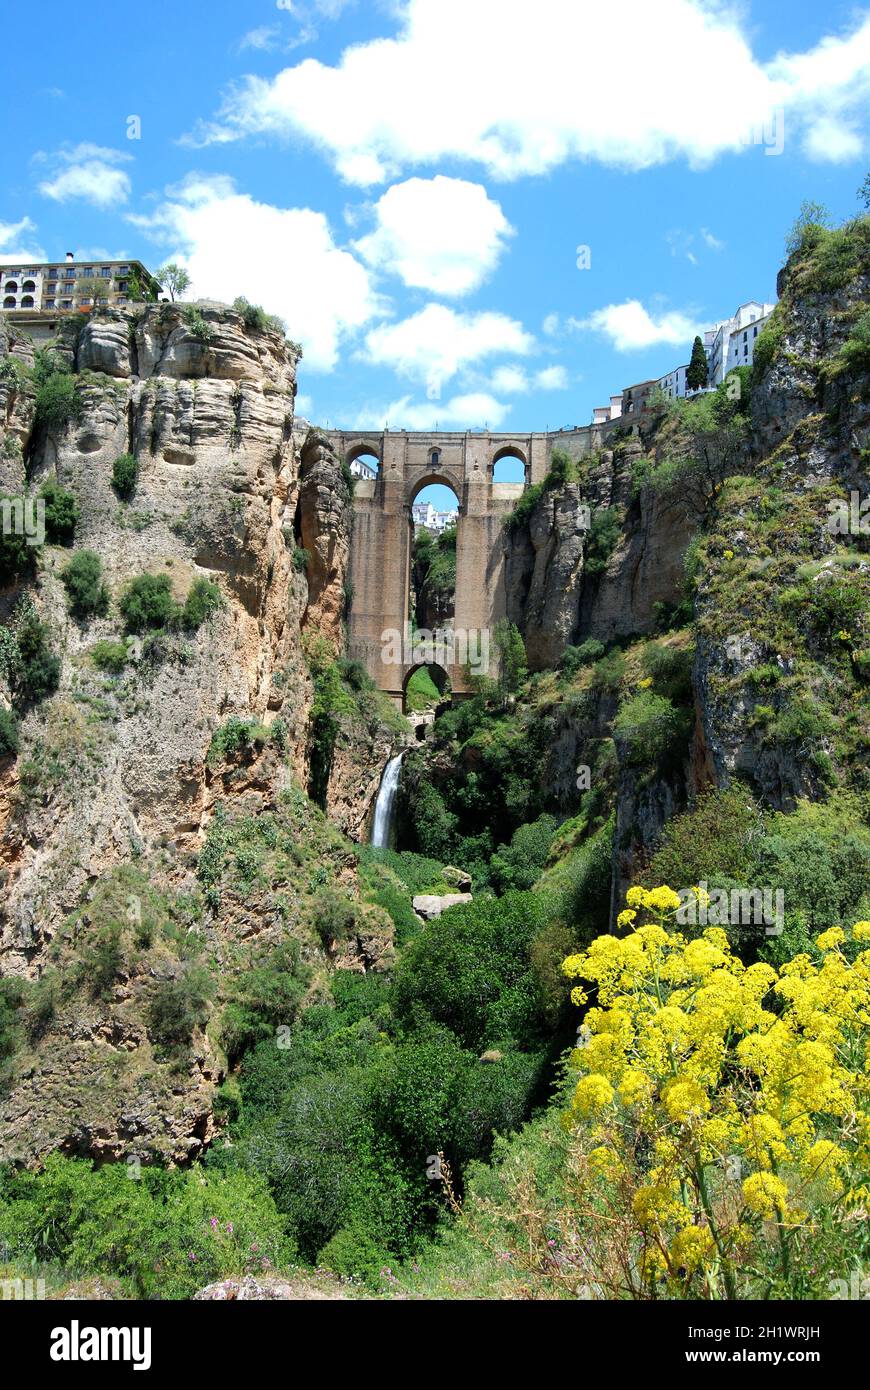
[9,302]
[28,287]
[66,303]
[106,272]
[87,272]
[755,332]
[69,273]
[11,286]
[52,275]
[27,302]
[49,304]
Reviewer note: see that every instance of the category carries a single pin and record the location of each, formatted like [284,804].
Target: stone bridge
[383,530]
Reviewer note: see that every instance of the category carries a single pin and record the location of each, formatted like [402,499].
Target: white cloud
[440,234]
[551,325]
[89,172]
[630,326]
[515,381]
[471,411]
[551,379]
[710,240]
[304,406]
[16,243]
[434,344]
[284,258]
[458,81]
[832,141]
[264,37]
[510,380]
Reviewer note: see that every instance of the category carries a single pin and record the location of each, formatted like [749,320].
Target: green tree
[61,512]
[696,375]
[83,579]
[512,662]
[174,278]
[147,602]
[864,191]
[125,472]
[808,228]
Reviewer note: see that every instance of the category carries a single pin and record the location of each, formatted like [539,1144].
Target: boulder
[457,878]
[429,905]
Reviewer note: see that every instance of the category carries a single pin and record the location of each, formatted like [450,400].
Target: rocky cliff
[152,739]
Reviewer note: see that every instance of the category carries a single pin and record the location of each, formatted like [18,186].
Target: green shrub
[163,1236]
[8,732]
[203,599]
[269,996]
[197,325]
[87,595]
[17,556]
[58,403]
[573,658]
[102,959]
[235,735]
[650,728]
[110,656]
[147,602]
[61,513]
[32,669]
[255,317]
[179,1005]
[125,473]
[603,535]
[335,917]
[300,559]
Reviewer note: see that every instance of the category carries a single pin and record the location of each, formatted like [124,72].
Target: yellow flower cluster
[746,1087]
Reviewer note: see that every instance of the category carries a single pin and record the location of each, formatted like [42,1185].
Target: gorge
[216,814]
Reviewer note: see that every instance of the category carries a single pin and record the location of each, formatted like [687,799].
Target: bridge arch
[360,447]
[442,476]
[509,451]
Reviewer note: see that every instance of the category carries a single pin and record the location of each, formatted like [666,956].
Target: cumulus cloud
[16,242]
[511,380]
[440,234]
[388,104]
[264,37]
[630,326]
[89,172]
[472,411]
[284,258]
[434,344]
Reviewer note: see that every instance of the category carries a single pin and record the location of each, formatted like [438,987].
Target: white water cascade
[386,802]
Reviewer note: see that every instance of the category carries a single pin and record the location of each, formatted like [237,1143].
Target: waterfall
[386,802]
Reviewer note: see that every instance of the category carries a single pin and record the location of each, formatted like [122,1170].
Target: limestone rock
[457,878]
[104,345]
[430,905]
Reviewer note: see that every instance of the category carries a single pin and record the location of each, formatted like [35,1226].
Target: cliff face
[556,596]
[126,768]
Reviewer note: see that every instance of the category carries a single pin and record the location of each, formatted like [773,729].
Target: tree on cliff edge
[696,375]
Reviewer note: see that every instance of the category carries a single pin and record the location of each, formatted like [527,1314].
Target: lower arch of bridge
[437,675]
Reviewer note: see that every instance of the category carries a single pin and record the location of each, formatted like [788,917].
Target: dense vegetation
[581,1083]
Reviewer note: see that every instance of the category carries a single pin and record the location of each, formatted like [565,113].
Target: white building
[360,469]
[426,516]
[674,384]
[732,342]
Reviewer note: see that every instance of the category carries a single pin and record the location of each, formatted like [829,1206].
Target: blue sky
[407,184]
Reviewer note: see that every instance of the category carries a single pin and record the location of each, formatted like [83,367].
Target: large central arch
[380,553]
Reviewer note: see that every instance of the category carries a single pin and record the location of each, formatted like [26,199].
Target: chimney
[69,256]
